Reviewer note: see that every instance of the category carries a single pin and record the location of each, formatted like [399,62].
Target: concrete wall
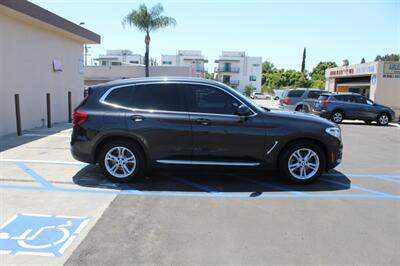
[27,51]
[99,74]
[387,90]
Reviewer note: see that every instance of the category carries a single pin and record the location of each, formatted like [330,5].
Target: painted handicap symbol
[45,235]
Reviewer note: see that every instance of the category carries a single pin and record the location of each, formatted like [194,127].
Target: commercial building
[40,53]
[119,57]
[101,74]
[380,81]
[187,58]
[237,70]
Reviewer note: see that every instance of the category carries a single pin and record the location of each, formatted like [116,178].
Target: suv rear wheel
[302,162]
[383,119]
[337,116]
[121,161]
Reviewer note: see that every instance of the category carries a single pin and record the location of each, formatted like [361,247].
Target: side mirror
[243,110]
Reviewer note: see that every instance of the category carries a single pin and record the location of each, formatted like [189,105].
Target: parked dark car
[301,100]
[128,126]
[353,106]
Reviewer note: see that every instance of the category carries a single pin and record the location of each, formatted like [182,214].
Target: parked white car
[259,95]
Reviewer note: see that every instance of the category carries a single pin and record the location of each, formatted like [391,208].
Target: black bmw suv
[129,125]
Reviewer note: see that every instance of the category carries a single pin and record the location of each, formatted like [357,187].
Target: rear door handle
[137,118]
[203,121]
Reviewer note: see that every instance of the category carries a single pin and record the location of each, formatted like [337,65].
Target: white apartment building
[188,58]
[238,70]
[120,57]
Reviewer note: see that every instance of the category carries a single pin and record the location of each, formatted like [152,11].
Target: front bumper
[335,156]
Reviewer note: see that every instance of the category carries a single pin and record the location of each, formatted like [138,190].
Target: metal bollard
[48,110]
[18,114]
[69,107]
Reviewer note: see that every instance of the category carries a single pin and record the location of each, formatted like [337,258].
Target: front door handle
[137,118]
[203,121]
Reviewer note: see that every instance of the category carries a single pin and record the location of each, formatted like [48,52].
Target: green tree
[303,62]
[388,57]
[248,89]
[267,67]
[318,74]
[345,62]
[209,75]
[148,20]
[362,61]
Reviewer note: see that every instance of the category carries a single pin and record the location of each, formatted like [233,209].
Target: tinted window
[165,97]
[120,96]
[314,94]
[360,99]
[206,99]
[341,98]
[295,93]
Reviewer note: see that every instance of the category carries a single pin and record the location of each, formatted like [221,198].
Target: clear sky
[276,30]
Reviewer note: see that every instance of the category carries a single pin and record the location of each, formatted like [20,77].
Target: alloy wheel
[303,164]
[120,162]
[337,117]
[383,119]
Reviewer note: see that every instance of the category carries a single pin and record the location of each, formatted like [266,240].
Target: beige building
[102,74]
[40,53]
[380,81]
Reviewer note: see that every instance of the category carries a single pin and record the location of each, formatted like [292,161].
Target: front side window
[162,96]
[207,99]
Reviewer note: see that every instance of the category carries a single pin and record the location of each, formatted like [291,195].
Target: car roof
[121,82]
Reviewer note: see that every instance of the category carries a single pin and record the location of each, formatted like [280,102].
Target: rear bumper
[322,113]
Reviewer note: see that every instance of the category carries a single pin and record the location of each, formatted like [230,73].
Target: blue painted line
[269,185]
[355,187]
[361,175]
[33,174]
[190,194]
[195,185]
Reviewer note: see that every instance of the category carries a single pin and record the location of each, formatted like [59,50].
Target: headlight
[334,131]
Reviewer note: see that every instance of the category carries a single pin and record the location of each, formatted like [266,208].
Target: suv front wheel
[302,162]
[121,161]
[383,119]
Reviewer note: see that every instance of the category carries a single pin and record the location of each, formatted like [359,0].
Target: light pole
[85,46]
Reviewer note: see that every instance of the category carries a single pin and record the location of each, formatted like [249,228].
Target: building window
[167,62]
[116,63]
[253,78]
[134,62]
[103,63]
[256,65]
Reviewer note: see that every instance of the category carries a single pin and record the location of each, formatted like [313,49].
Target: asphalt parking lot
[55,210]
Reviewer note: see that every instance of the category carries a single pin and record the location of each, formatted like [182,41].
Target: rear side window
[342,98]
[163,96]
[206,99]
[121,96]
[295,93]
[314,94]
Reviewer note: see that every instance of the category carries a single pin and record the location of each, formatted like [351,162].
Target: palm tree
[147,20]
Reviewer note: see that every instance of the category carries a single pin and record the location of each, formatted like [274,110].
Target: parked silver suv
[301,100]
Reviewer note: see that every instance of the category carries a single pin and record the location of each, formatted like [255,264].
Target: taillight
[79,118]
[325,102]
[287,100]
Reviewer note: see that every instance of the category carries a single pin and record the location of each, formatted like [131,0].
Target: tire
[383,119]
[126,170]
[290,157]
[337,116]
